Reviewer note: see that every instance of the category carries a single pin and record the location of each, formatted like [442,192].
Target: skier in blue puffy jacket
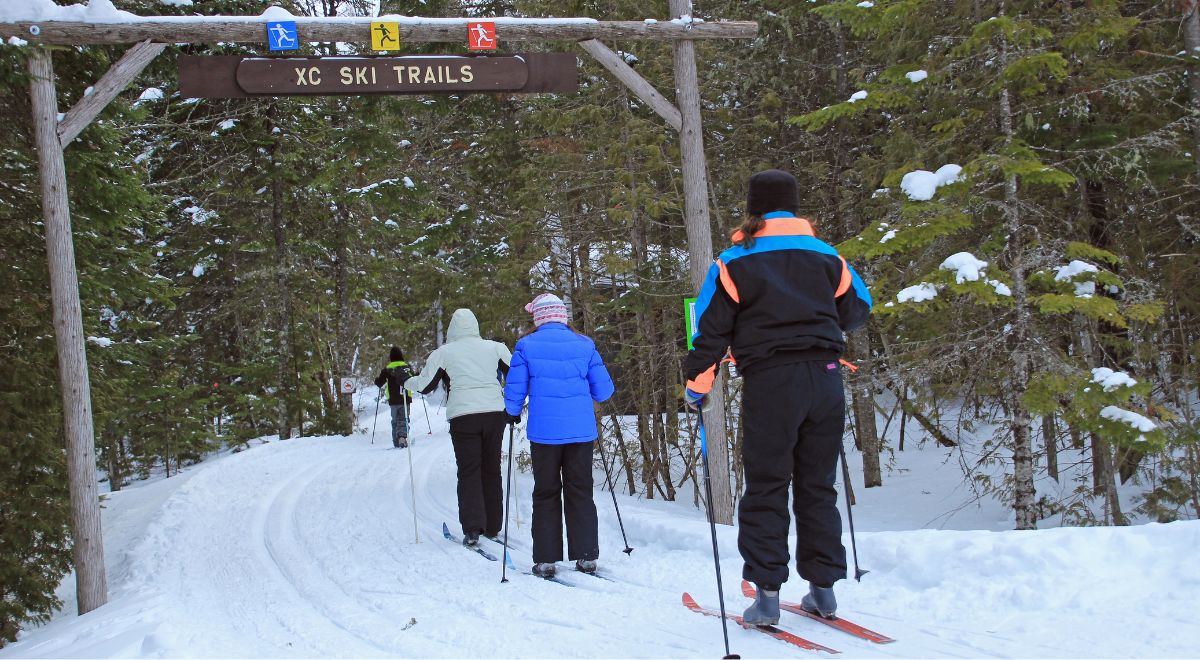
[561,373]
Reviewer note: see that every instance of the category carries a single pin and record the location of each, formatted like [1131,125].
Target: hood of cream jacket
[470,367]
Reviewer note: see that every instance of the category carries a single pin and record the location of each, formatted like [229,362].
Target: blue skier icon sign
[281,35]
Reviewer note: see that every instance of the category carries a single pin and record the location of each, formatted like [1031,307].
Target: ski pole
[858,572]
[376,424]
[427,422]
[412,479]
[712,524]
[608,478]
[507,496]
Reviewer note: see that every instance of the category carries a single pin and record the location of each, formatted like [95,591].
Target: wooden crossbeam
[114,80]
[252,29]
[637,84]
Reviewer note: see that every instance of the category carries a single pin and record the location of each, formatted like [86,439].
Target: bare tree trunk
[116,479]
[1191,43]
[1025,495]
[1050,441]
[864,411]
[648,472]
[620,436]
[1193,471]
[1102,455]
[87,548]
[438,332]
[1102,463]
[342,350]
[282,266]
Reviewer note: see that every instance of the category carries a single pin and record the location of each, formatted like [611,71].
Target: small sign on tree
[348,386]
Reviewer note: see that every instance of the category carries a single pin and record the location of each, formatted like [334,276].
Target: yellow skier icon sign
[385,35]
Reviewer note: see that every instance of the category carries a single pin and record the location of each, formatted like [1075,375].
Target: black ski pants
[793,416]
[477,439]
[562,484]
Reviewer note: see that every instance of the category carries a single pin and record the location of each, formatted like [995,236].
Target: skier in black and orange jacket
[779,301]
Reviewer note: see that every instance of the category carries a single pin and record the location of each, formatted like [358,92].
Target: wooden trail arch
[150,35]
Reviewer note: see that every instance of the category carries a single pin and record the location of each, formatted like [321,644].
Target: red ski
[841,624]
[782,635]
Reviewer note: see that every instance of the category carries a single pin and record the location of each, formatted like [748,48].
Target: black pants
[793,417]
[477,439]
[562,484]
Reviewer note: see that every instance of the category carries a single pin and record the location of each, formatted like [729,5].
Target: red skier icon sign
[481,35]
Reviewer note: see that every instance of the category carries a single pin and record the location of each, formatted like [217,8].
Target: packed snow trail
[305,548]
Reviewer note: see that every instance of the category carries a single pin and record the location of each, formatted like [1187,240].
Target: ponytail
[753,224]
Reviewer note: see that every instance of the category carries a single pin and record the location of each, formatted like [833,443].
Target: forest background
[237,257]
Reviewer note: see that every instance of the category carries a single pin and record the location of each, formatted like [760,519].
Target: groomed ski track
[305,548]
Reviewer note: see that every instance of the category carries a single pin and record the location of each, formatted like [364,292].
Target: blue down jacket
[562,373]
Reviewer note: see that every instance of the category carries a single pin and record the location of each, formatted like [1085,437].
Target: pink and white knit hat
[548,308]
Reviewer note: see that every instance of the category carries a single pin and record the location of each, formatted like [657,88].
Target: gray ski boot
[820,601]
[586,565]
[765,610]
[545,570]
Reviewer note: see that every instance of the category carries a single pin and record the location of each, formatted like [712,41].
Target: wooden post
[88,544]
[699,233]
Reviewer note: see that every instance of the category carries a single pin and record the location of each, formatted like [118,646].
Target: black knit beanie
[396,355]
[772,190]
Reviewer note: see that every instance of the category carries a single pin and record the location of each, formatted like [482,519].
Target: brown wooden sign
[235,77]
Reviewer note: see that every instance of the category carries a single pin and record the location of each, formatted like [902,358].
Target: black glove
[514,419]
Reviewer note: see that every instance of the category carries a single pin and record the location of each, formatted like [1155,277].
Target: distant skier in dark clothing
[561,373]
[391,379]
[780,300]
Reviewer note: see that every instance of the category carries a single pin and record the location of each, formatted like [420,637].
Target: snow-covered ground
[307,548]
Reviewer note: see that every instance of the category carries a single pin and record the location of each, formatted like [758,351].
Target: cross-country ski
[838,622]
[777,633]
[474,548]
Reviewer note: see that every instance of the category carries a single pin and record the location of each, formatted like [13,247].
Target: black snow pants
[793,416]
[562,484]
[477,439]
